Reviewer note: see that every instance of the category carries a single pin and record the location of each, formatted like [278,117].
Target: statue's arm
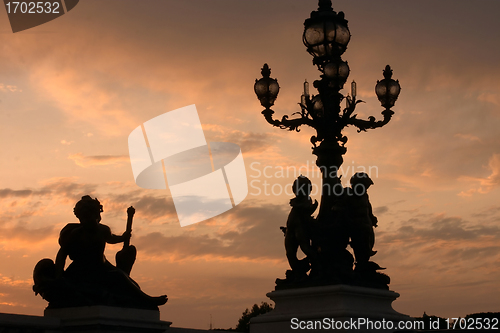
[373,218]
[60,261]
[114,239]
[64,241]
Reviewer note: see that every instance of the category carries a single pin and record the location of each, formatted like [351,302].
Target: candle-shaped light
[303,100]
[306,89]
[353,90]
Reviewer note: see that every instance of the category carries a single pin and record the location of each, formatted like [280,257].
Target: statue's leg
[291,247]
[305,246]
[128,288]
[360,243]
[125,258]
[372,241]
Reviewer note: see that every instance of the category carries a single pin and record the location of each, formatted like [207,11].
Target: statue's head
[302,187]
[361,179]
[88,209]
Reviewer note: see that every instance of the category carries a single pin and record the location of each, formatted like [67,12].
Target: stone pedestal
[101,319]
[319,309]
[16,323]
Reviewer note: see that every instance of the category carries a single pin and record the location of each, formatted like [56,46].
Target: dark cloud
[8,193]
[148,207]
[441,228]
[491,214]
[65,187]
[248,141]
[67,191]
[439,243]
[492,211]
[251,142]
[85,161]
[257,235]
[471,253]
[380,210]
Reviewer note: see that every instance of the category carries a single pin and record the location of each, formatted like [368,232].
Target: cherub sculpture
[298,231]
[360,221]
[325,244]
[91,279]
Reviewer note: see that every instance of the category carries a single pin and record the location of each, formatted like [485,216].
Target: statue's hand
[283,229]
[127,234]
[130,211]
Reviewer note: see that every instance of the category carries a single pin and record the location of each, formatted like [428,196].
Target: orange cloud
[490,98]
[4,280]
[9,88]
[468,137]
[487,184]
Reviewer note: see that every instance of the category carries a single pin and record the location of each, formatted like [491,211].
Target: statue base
[101,319]
[342,308]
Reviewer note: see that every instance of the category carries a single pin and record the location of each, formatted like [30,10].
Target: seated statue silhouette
[91,279]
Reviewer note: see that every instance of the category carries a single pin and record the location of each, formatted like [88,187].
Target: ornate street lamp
[326,35]
[344,216]
[266,88]
[387,90]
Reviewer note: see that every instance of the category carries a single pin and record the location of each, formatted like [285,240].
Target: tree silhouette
[244,321]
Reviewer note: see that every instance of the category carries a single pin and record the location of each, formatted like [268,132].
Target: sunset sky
[73,89]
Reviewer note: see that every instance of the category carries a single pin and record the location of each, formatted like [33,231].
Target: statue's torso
[85,244]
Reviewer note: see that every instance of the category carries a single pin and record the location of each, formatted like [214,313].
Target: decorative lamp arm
[351,106]
[363,125]
[285,123]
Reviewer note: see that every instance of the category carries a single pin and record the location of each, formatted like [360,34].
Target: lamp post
[326,35]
